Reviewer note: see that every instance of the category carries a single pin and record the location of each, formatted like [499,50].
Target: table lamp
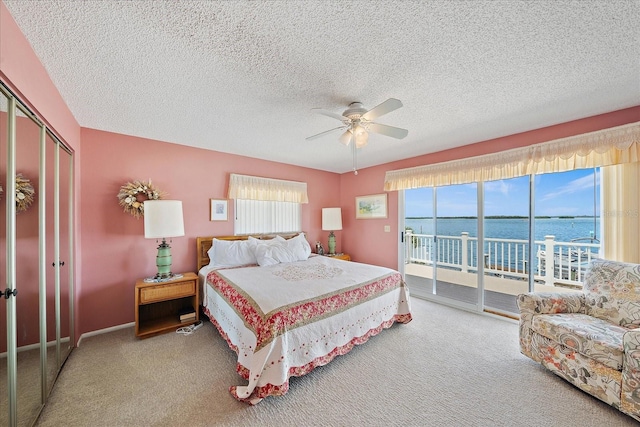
[332,221]
[162,220]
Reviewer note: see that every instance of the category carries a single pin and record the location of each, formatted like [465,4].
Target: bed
[285,316]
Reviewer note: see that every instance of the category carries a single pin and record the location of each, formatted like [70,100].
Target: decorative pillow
[231,253]
[295,249]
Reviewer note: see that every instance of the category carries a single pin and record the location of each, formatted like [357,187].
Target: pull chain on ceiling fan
[358,122]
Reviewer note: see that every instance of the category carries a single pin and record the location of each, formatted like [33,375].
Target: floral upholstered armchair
[591,339]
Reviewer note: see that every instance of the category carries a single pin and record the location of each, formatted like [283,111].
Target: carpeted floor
[445,368]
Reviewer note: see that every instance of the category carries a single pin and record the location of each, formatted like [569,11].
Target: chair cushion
[612,292]
[587,335]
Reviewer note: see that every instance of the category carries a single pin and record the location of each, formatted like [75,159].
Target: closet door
[36,250]
[53,361]
[4,359]
[29,372]
[64,215]
[58,248]
[24,398]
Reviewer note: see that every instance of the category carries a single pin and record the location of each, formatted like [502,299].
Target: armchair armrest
[630,397]
[631,345]
[544,303]
[551,302]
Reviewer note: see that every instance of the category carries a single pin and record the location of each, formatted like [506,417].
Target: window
[266,217]
[267,205]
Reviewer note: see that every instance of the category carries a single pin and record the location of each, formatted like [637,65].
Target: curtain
[257,188]
[621,212]
[611,146]
[267,217]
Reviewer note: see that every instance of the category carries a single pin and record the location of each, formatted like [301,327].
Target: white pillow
[231,253]
[273,241]
[296,249]
[273,254]
[300,247]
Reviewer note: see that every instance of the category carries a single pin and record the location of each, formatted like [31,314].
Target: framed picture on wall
[369,207]
[218,210]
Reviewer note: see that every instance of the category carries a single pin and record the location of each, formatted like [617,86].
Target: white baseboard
[35,346]
[66,339]
[105,330]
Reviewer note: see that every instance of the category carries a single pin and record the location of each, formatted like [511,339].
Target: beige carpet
[445,368]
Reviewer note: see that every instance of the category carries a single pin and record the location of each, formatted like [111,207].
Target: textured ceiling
[242,76]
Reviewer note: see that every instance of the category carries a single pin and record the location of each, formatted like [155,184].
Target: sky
[557,194]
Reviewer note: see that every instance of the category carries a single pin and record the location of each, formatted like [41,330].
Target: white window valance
[257,188]
[594,149]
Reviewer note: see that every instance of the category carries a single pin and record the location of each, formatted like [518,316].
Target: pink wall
[111,250]
[366,240]
[24,74]
[115,252]
[21,69]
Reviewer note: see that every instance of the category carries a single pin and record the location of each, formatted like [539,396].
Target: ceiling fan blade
[329,113]
[326,132]
[387,106]
[391,131]
[345,138]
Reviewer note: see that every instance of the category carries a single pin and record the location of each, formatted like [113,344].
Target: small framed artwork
[218,210]
[369,207]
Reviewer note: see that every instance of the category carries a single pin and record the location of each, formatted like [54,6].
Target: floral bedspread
[286,319]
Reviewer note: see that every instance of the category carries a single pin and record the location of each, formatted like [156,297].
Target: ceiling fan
[357,122]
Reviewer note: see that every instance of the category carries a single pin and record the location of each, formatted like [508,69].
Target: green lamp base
[332,243]
[163,261]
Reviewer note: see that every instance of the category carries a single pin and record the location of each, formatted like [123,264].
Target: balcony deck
[493,300]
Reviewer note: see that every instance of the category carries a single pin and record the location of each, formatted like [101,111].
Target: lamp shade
[331,219]
[163,218]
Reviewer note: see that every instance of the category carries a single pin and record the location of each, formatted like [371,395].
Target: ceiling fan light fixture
[355,111]
[345,138]
[361,136]
[357,122]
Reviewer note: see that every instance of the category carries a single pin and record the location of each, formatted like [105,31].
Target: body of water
[564,229]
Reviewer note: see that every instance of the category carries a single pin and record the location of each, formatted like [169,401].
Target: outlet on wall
[387,228]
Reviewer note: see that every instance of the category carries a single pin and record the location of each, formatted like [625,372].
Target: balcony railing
[505,257]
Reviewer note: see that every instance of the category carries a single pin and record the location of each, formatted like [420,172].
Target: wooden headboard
[203,244]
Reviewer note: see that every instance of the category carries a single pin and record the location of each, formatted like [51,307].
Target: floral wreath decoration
[133,194]
[24,193]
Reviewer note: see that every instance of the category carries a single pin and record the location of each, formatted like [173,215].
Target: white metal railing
[504,257]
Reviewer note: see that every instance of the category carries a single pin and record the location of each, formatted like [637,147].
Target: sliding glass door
[567,224]
[456,243]
[507,226]
[527,233]
[441,244]
[419,241]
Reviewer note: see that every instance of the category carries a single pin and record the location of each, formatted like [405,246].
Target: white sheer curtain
[602,148]
[258,188]
[621,212]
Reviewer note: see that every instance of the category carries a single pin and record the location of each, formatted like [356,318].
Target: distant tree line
[501,217]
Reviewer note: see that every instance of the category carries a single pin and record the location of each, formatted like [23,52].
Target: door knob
[8,292]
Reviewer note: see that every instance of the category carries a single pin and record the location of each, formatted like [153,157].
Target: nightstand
[345,257]
[159,305]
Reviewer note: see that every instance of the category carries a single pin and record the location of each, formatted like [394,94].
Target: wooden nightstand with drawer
[159,305]
[342,256]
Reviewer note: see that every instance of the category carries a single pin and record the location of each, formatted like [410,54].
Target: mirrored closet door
[36,304]
[4,306]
